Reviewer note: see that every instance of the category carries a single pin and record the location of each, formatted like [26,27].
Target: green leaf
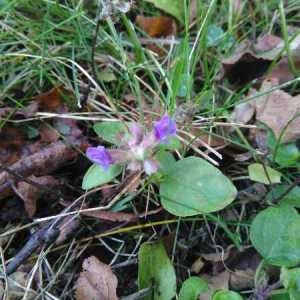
[291,281]
[281,296]
[173,144]
[275,234]
[292,198]
[172,7]
[165,160]
[96,176]
[192,288]
[258,173]
[193,186]
[110,131]
[287,155]
[156,271]
[215,35]
[226,295]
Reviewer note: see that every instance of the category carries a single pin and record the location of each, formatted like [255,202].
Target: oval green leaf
[291,281]
[292,198]
[156,271]
[110,131]
[96,176]
[267,175]
[193,186]
[192,288]
[226,295]
[275,234]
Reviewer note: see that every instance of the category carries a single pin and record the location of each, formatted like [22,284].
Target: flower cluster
[138,149]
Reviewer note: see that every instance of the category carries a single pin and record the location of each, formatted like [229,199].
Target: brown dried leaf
[268,42]
[215,282]
[251,61]
[282,71]
[243,65]
[11,142]
[243,112]
[97,281]
[242,279]
[52,100]
[48,134]
[68,226]
[30,193]
[43,162]
[276,110]
[160,26]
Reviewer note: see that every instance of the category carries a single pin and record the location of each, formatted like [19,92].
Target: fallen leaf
[41,163]
[251,61]
[97,281]
[243,112]
[11,141]
[282,70]
[51,100]
[277,110]
[66,228]
[215,282]
[30,193]
[160,26]
[242,279]
[268,42]
[243,65]
[48,134]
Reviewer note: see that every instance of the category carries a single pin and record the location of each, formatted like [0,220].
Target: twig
[43,236]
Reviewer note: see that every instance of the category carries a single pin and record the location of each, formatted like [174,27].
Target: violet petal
[99,155]
[164,128]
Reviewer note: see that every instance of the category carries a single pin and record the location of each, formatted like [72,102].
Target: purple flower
[99,155]
[164,128]
[136,134]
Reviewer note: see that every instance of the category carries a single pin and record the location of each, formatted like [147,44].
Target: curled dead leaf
[160,26]
[97,281]
[251,61]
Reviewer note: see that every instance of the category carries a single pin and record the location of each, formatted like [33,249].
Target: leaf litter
[36,162]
